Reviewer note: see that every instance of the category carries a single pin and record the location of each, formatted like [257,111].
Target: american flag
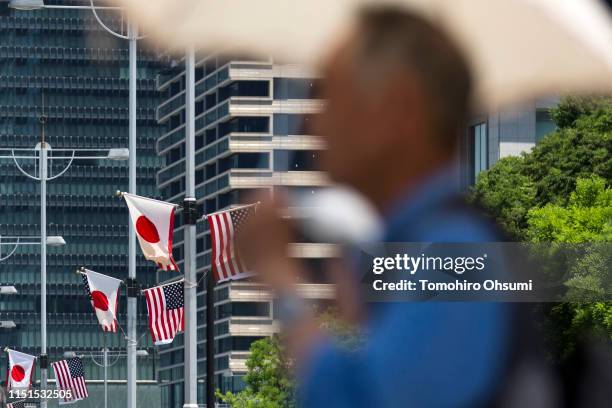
[224,228]
[165,307]
[70,377]
[21,404]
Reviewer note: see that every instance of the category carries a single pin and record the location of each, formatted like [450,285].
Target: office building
[81,72]
[507,132]
[251,134]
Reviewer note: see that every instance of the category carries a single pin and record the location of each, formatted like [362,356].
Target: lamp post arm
[110,364]
[107,28]
[61,173]
[25,173]
[4,258]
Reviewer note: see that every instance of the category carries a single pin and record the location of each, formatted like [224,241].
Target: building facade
[507,132]
[66,59]
[251,135]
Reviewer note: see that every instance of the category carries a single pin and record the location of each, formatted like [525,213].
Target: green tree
[580,147]
[577,149]
[506,193]
[268,380]
[586,218]
[556,193]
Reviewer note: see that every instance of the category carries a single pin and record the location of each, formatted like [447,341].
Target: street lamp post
[41,155]
[189,206]
[132,36]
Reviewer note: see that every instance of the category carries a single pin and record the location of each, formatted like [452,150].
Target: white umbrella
[518,48]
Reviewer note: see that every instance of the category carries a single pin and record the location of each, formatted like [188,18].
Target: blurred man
[398,94]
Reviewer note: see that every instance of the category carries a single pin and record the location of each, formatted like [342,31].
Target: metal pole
[43,269]
[131,315]
[105,375]
[210,340]
[191,323]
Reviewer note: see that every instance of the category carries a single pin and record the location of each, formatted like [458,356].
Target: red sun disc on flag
[146,229]
[100,300]
[17,373]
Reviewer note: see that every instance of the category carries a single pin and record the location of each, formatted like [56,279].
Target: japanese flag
[154,225]
[103,292]
[20,370]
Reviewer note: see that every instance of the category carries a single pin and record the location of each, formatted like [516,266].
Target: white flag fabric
[153,222]
[103,292]
[20,370]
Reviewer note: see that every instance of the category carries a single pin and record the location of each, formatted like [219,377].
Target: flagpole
[204,217]
[121,194]
[190,218]
[162,285]
[132,283]
[210,339]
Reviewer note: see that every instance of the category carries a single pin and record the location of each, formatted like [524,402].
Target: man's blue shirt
[419,354]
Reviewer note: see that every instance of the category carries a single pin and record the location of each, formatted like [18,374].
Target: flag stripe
[150,320]
[232,251]
[216,239]
[222,236]
[215,251]
[227,234]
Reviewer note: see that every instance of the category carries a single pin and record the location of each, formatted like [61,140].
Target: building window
[296,160]
[478,135]
[245,124]
[293,124]
[295,88]
[544,124]
[245,88]
[244,161]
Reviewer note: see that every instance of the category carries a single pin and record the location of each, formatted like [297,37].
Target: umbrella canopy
[518,49]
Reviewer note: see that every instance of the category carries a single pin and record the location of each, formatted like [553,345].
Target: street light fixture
[121,154]
[33,5]
[8,290]
[55,241]
[26,5]
[7,324]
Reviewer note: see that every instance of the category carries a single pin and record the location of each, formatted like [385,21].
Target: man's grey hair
[390,38]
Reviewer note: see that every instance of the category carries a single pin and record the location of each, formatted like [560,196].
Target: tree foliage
[576,150]
[557,193]
[586,218]
[268,380]
[579,148]
[506,193]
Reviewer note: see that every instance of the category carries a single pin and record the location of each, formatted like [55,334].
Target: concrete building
[508,132]
[251,135]
[65,56]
